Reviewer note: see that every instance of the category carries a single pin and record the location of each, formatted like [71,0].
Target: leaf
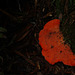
[58,7]
[1,58]
[1,73]
[3,29]
[2,35]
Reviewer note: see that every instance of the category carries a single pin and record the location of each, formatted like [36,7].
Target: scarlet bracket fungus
[53,48]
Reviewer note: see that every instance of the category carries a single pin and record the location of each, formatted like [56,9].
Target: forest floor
[20,24]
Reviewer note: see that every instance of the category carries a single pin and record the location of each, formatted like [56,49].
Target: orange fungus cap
[53,48]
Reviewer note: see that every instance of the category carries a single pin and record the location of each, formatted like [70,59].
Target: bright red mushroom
[53,48]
